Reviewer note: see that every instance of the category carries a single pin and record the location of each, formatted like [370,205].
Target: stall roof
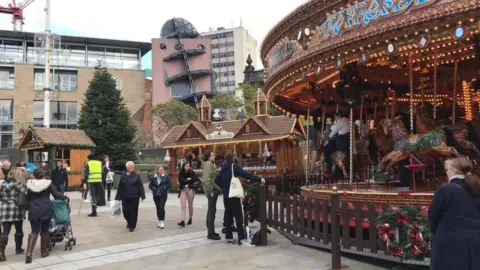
[274,128]
[43,137]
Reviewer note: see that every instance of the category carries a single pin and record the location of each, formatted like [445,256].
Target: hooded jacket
[39,204]
[224,178]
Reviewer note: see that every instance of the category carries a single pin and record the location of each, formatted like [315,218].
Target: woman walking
[130,190]
[188,181]
[454,218]
[10,213]
[40,212]
[234,205]
[159,185]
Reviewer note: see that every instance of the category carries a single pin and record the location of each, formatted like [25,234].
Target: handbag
[236,188]
[109,178]
[22,200]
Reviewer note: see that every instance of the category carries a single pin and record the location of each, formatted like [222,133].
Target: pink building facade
[162,70]
[181,67]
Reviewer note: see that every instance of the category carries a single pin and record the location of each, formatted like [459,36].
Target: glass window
[62,114]
[96,55]
[64,81]
[6,140]
[7,78]
[180,90]
[6,109]
[117,82]
[11,51]
[77,56]
[113,58]
[130,59]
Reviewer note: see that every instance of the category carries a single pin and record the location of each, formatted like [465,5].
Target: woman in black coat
[130,190]
[40,212]
[233,206]
[188,181]
[454,217]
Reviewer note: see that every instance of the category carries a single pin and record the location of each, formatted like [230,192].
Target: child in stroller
[60,225]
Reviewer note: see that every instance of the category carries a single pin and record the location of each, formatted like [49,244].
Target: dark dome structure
[175,26]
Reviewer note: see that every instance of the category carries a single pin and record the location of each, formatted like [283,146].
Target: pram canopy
[61,211]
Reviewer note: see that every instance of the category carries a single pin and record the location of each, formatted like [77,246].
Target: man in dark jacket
[234,205]
[59,177]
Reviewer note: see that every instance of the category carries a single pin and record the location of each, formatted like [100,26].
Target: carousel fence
[291,184]
[332,224]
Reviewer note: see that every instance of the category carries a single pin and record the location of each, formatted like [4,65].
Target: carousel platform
[371,193]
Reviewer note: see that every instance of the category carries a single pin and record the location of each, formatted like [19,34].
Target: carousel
[405,74]
[262,144]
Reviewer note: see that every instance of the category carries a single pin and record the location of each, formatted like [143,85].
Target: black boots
[45,244]
[214,236]
[94,211]
[3,245]
[32,240]
[18,243]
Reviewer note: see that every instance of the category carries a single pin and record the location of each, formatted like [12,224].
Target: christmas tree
[106,119]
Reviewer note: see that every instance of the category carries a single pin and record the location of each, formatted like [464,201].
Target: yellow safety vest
[94,171]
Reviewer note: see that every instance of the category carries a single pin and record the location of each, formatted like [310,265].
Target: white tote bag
[236,189]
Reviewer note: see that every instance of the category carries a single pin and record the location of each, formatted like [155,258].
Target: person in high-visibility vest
[93,177]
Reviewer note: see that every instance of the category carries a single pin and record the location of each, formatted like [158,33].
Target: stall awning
[36,138]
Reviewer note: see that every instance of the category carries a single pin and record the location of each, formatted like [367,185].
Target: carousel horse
[437,140]
[463,132]
[338,159]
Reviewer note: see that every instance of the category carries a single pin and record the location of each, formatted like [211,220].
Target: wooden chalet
[266,145]
[46,146]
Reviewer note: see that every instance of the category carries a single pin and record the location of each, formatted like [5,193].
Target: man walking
[59,177]
[93,177]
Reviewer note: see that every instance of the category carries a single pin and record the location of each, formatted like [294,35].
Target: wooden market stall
[46,146]
[263,144]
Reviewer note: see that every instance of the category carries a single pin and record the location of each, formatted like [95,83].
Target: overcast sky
[141,20]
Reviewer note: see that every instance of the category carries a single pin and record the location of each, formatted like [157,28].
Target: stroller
[60,225]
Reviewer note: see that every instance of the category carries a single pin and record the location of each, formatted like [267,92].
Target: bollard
[336,251]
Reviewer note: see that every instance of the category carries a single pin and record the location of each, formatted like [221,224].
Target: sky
[141,20]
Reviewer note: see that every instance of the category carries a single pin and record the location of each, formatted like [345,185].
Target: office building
[230,49]
[73,62]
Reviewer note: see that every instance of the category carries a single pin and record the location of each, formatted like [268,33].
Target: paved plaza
[104,243]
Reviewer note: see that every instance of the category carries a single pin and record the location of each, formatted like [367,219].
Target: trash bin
[116,179]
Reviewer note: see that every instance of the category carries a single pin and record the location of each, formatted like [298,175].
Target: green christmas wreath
[251,204]
[403,232]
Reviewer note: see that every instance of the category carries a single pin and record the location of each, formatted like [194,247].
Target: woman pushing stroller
[40,212]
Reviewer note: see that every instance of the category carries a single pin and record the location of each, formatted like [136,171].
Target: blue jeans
[39,226]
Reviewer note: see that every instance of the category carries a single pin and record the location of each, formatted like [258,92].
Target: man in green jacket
[212,191]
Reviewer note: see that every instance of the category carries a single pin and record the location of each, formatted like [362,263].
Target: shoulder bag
[236,188]
[22,200]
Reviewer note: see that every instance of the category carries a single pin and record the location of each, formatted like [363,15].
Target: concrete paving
[104,243]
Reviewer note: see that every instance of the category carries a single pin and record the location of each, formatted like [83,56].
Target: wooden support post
[336,250]
[262,214]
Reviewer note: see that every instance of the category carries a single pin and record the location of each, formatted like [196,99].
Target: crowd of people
[130,191]
[454,214]
[22,191]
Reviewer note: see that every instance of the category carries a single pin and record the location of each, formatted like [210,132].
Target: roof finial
[249,60]
[249,67]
